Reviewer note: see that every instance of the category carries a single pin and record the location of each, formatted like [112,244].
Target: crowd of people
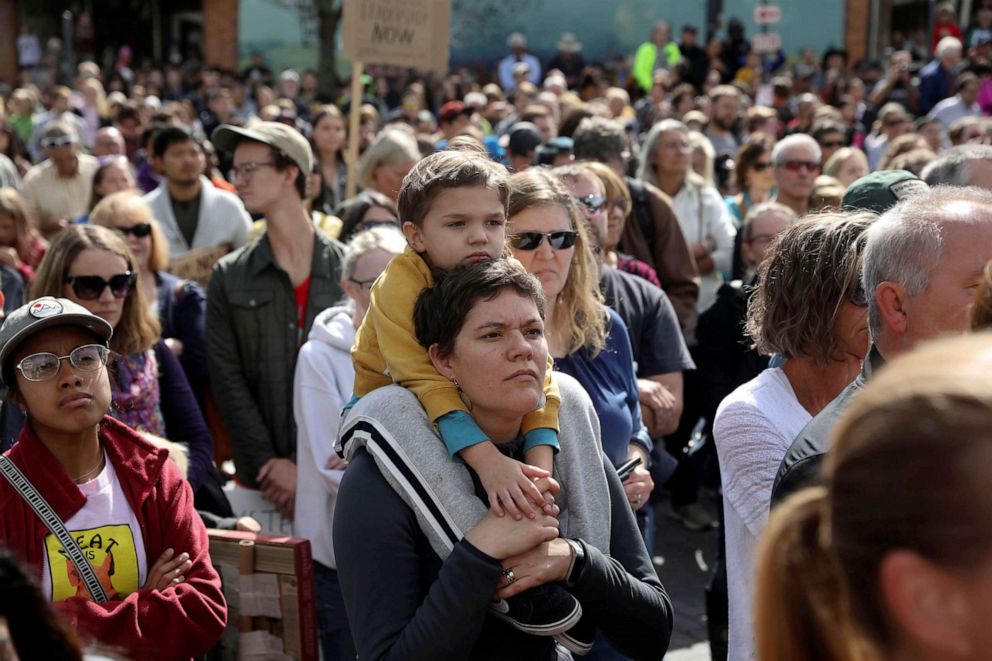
[548,301]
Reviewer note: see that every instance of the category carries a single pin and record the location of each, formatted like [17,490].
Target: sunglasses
[139,231]
[90,287]
[55,143]
[762,166]
[859,298]
[592,203]
[44,366]
[560,240]
[372,224]
[796,166]
[831,144]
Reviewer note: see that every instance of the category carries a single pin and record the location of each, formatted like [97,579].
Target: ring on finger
[508,575]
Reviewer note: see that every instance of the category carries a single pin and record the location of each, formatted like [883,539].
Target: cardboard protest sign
[406,33]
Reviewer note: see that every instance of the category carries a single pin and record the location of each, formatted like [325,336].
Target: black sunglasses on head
[90,287]
[139,231]
[560,240]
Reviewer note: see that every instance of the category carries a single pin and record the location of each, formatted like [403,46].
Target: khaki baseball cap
[275,134]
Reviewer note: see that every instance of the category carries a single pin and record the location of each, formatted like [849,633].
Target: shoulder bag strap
[52,521]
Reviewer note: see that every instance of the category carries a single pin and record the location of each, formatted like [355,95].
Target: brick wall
[220,32]
[857,23]
[8,40]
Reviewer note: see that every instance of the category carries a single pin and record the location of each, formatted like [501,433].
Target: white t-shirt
[753,429]
[107,531]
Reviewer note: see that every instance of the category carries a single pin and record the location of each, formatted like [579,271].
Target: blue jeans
[332,622]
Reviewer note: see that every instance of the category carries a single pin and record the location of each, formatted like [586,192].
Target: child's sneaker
[578,639]
[547,610]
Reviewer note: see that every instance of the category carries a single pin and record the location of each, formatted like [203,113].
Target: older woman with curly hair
[810,310]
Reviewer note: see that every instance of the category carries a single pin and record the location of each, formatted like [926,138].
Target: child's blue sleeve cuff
[459,431]
[541,436]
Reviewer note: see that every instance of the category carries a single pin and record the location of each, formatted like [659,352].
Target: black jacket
[801,466]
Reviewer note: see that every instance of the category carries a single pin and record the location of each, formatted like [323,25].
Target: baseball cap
[451,110]
[880,191]
[275,134]
[524,138]
[43,313]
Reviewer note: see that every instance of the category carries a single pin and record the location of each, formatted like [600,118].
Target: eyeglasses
[796,166]
[44,366]
[560,240]
[621,204]
[895,122]
[247,170]
[57,142]
[592,203]
[859,298]
[138,231]
[762,238]
[90,287]
[761,166]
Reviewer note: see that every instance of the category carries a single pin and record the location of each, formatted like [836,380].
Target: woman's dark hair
[748,154]
[808,274]
[440,311]
[35,630]
[351,212]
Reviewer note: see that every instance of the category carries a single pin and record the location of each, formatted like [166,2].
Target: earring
[457,385]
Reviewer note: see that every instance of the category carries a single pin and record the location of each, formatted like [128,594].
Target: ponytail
[802,610]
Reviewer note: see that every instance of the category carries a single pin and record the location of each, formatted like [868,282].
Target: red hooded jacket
[176,623]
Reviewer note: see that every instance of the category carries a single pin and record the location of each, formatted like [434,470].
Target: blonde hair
[614,185]
[117,204]
[393,146]
[13,205]
[137,331]
[908,472]
[580,303]
[840,157]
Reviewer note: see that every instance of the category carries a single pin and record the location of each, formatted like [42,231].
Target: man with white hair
[922,264]
[58,189]
[796,159]
[517,43]
[938,76]
[964,165]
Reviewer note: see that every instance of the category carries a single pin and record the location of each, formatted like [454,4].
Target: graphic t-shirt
[108,533]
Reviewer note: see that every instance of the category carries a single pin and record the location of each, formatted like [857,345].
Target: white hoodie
[325,378]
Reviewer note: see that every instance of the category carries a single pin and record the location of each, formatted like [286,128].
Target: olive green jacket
[253,337]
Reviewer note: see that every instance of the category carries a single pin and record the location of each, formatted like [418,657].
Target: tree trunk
[328,16]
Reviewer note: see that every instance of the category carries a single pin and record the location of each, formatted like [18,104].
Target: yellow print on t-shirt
[111,552]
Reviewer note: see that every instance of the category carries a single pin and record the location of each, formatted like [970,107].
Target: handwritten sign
[197,265]
[407,33]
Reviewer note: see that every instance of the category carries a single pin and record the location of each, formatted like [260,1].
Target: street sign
[767,14]
[407,33]
[769,42]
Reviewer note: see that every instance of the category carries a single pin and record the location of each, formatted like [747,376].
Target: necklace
[91,473]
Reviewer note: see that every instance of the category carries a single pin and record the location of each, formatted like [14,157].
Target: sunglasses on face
[831,144]
[371,224]
[796,166]
[56,143]
[44,366]
[560,240]
[592,203]
[138,231]
[762,166]
[859,298]
[90,287]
